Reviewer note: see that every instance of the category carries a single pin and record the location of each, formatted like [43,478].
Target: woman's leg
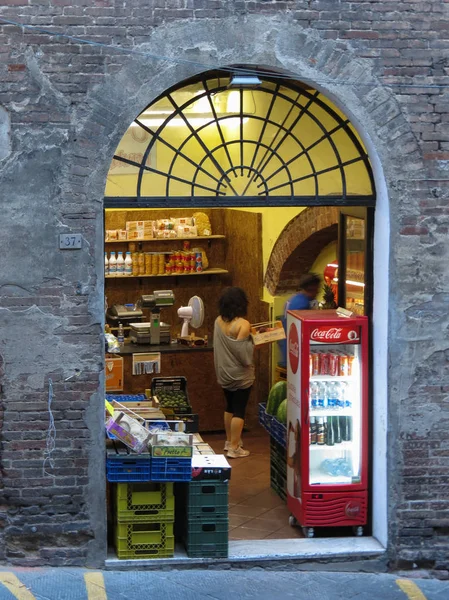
[239,401]
[228,414]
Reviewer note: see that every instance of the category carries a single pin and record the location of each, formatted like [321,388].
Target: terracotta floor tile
[240,533]
[238,520]
[286,533]
[271,525]
[246,511]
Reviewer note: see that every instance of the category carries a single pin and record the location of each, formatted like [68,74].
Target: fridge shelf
[331,378]
[324,479]
[327,412]
[341,446]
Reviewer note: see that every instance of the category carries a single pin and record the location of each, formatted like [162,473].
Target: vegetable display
[277,394]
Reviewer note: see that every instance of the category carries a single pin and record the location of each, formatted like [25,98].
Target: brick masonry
[68,105]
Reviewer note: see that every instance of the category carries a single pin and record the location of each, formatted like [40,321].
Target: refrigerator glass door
[335,419]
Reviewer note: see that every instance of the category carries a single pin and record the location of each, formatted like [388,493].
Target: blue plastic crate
[124,469]
[279,432]
[126,398]
[264,419]
[171,469]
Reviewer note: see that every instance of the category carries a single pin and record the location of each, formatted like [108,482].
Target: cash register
[124,314]
[154,332]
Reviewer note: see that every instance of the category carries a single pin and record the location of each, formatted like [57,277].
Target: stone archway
[259,40]
[297,247]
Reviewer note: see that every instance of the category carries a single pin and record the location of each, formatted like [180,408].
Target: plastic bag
[113,345]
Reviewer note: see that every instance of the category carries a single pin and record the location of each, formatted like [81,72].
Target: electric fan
[193,313]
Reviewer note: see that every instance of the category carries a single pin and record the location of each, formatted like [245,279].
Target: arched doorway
[213,143]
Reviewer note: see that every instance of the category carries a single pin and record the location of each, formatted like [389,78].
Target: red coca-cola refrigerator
[327,420]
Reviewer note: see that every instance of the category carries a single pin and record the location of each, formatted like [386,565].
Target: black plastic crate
[207,538]
[172,384]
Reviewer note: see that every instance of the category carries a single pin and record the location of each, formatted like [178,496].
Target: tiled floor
[255,511]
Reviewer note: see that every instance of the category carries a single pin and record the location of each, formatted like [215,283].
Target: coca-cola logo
[352,509]
[293,348]
[334,335]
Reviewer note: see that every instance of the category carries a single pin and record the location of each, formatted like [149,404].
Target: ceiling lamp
[244,81]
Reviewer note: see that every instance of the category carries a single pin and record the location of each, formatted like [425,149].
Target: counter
[163,348]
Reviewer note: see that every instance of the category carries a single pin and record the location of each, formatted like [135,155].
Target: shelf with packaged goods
[173,239]
[211,271]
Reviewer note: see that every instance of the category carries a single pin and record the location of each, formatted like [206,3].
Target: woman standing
[233,356]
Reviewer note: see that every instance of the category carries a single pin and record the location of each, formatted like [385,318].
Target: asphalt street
[79,584]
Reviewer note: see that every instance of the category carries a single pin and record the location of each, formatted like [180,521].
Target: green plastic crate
[207,499]
[144,540]
[207,538]
[145,502]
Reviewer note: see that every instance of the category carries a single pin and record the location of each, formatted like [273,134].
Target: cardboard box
[212,466]
[114,374]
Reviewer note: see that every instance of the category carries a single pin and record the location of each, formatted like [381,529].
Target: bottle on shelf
[330,439]
[337,430]
[313,431]
[313,395]
[320,437]
[346,428]
[121,335]
[113,265]
[322,395]
[106,264]
[128,264]
[120,265]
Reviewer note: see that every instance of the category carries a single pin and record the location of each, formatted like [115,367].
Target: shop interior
[236,144]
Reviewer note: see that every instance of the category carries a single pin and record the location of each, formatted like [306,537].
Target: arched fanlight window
[208,143]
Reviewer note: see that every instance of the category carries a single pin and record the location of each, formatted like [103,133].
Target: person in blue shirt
[305,299]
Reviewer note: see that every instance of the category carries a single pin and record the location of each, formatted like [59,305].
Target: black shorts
[236,401]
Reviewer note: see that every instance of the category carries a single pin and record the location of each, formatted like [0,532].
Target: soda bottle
[330,438]
[320,432]
[346,428]
[322,395]
[337,430]
[313,433]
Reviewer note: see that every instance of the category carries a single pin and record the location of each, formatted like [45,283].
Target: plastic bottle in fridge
[120,265]
[322,395]
[121,335]
[128,264]
[113,265]
[313,392]
[106,264]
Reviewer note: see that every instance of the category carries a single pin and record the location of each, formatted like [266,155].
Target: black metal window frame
[218,190]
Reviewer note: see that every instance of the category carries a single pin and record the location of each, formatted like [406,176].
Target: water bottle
[313,393]
[346,395]
[121,335]
[106,264]
[338,393]
[128,264]
[331,395]
[113,265]
[120,265]
[322,395]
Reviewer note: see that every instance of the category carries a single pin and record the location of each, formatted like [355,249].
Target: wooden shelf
[212,271]
[175,239]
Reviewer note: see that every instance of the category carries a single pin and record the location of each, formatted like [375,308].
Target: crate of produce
[267,332]
[144,540]
[191,422]
[147,502]
[171,469]
[207,499]
[122,465]
[279,432]
[126,398]
[207,538]
[172,393]
[264,419]
[171,444]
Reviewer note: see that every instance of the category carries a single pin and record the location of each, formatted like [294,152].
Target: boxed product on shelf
[111,235]
[171,444]
[145,502]
[210,466]
[122,234]
[186,231]
[183,221]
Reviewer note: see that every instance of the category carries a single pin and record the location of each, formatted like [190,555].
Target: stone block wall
[64,106]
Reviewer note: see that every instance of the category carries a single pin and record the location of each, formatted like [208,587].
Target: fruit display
[277,394]
[281,414]
[173,399]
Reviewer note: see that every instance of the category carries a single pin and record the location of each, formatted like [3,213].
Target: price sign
[70,241]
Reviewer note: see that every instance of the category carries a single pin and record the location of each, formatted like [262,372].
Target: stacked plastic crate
[207,522]
[278,452]
[145,515]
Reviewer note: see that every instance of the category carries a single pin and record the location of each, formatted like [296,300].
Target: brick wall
[69,103]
